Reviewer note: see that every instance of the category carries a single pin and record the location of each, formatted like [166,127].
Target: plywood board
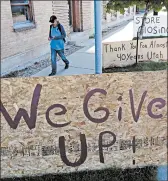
[121,54]
[110,120]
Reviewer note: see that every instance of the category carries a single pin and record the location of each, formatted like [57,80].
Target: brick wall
[13,43]
[87,14]
[18,48]
[61,10]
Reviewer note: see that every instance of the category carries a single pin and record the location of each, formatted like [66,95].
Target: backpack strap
[50,31]
[60,29]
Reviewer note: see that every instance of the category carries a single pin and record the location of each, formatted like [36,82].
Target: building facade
[25,27]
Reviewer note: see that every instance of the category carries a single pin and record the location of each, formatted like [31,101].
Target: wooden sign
[73,123]
[121,54]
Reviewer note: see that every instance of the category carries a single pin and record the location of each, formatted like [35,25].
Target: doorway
[75,18]
[70,15]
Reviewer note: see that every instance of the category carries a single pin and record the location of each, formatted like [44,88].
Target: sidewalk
[83,61]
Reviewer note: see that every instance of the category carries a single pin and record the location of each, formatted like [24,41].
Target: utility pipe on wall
[98,36]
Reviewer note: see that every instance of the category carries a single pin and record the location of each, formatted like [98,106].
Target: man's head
[53,20]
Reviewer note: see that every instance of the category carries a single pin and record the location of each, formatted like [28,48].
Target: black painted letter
[30,121]
[137,114]
[161,103]
[105,146]
[83,151]
[85,107]
[59,113]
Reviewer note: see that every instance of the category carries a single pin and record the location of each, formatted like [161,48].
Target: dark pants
[54,58]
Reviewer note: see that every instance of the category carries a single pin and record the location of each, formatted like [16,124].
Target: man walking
[57,40]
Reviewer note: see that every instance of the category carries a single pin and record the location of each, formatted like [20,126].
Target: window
[22,13]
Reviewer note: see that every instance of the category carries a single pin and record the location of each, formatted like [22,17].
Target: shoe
[66,66]
[52,74]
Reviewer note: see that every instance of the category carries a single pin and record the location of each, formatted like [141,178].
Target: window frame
[26,25]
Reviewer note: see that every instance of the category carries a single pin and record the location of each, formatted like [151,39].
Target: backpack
[60,29]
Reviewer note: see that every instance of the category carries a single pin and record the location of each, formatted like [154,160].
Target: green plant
[91,36]
[141,66]
[151,37]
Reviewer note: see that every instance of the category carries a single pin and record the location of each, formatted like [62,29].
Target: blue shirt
[58,42]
